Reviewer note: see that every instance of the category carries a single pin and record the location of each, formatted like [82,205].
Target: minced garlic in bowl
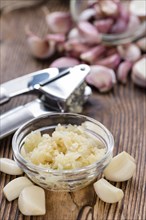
[63,151]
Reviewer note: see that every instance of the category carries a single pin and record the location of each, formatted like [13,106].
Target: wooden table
[122,111]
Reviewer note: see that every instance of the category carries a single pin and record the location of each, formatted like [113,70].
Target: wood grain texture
[122,111]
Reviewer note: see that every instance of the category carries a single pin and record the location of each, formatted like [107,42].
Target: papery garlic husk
[121,168]
[64,62]
[101,77]
[111,61]
[139,72]
[107,192]
[129,52]
[92,54]
[31,201]
[123,71]
[59,22]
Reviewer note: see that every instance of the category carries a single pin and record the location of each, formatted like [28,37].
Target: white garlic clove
[111,61]
[92,54]
[107,192]
[138,8]
[130,52]
[121,168]
[101,77]
[88,32]
[123,71]
[142,44]
[59,22]
[64,62]
[13,189]
[104,25]
[139,72]
[32,201]
[10,167]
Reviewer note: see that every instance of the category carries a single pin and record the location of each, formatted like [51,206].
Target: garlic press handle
[13,119]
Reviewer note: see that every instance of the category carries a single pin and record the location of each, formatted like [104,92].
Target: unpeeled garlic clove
[111,61]
[88,32]
[101,77]
[139,72]
[109,8]
[10,167]
[92,54]
[130,52]
[32,201]
[104,25]
[64,62]
[107,192]
[121,168]
[59,22]
[142,44]
[119,26]
[133,23]
[87,14]
[13,189]
[138,8]
[123,70]
[56,38]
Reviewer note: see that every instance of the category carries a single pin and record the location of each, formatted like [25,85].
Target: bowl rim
[18,157]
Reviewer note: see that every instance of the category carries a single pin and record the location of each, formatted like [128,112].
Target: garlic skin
[123,71]
[129,52]
[59,22]
[121,168]
[13,189]
[64,62]
[32,201]
[10,167]
[139,73]
[107,192]
[109,8]
[111,61]
[142,44]
[101,77]
[138,8]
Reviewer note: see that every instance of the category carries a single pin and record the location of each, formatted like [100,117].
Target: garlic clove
[133,23]
[109,8]
[107,192]
[119,26]
[64,62]
[129,52]
[139,72]
[104,25]
[87,14]
[123,70]
[142,44]
[59,22]
[111,61]
[121,168]
[88,32]
[56,38]
[10,167]
[92,54]
[138,8]
[13,189]
[101,77]
[31,201]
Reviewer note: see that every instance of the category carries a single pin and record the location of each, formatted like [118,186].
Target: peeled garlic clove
[138,8]
[108,7]
[101,77]
[142,44]
[32,201]
[64,62]
[92,54]
[107,192]
[111,61]
[88,32]
[104,25]
[9,166]
[59,22]
[139,72]
[130,52]
[13,189]
[121,168]
[123,70]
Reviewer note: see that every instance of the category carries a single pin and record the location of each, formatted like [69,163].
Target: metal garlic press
[57,89]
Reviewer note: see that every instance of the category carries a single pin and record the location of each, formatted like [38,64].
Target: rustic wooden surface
[123,111]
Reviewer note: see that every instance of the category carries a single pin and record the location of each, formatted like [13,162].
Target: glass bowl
[138,31]
[62,180]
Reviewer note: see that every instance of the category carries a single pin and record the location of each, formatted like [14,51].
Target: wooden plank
[122,111]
